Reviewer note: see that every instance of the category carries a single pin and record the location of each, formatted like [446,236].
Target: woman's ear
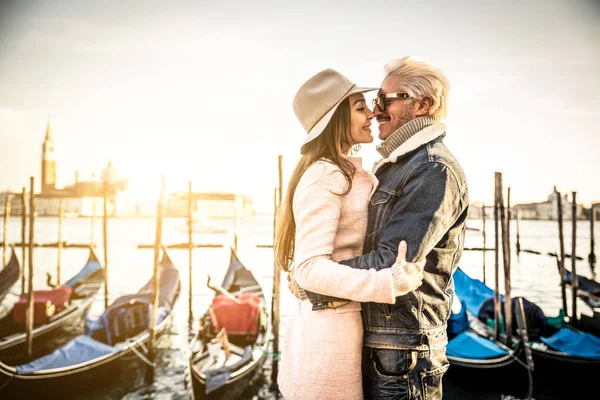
[423,106]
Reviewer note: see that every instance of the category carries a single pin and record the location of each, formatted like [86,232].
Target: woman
[324,219]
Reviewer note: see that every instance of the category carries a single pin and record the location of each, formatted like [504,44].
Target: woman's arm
[317,207]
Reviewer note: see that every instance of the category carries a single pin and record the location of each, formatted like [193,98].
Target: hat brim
[320,126]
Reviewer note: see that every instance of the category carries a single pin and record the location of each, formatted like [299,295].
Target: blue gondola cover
[471,291]
[87,270]
[79,350]
[473,346]
[578,344]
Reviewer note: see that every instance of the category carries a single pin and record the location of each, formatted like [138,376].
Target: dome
[109,173]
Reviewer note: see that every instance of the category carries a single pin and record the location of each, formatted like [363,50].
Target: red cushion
[46,303]
[237,319]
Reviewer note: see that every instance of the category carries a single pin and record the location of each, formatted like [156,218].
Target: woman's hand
[414,271]
[293,286]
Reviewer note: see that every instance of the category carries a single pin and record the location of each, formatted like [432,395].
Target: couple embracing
[370,254]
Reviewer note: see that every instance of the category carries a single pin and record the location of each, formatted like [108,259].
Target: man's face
[397,111]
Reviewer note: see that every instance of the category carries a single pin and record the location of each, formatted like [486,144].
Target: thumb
[402,248]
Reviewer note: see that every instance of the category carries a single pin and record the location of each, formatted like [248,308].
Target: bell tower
[48,162]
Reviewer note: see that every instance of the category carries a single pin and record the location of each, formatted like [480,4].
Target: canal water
[533,276]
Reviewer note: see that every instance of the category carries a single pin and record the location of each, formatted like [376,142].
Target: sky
[202,91]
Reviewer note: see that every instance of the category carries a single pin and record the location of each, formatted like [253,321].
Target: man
[422,198]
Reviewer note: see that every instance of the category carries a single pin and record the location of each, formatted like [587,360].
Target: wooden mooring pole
[497,199]
[506,259]
[93,227]
[29,313]
[6,221]
[61,216]
[235,223]
[508,219]
[105,238]
[561,241]
[484,238]
[276,278]
[574,279]
[518,231]
[190,223]
[155,284]
[23,238]
[592,256]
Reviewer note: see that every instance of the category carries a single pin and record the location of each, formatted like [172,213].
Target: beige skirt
[321,354]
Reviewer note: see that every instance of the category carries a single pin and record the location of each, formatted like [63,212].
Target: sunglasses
[380,101]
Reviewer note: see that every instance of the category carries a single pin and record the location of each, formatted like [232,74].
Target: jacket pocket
[380,197]
[380,201]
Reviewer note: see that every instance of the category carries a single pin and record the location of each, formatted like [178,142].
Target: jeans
[403,374]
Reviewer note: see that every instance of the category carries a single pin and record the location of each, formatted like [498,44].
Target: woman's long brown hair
[329,145]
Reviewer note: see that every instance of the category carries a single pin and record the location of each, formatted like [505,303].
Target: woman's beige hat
[319,97]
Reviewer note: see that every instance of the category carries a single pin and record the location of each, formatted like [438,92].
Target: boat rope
[9,380]
[139,354]
[275,356]
[516,358]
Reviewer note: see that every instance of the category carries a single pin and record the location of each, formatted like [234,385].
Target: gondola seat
[128,322]
[240,321]
[46,303]
[123,321]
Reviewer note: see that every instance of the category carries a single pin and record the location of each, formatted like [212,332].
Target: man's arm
[427,207]
[317,211]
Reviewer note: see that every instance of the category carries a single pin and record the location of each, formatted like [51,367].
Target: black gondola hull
[121,366]
[554,371]
[233,390]
[237,278]
[508,377]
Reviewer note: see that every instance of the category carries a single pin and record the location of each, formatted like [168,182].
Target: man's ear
[423,106]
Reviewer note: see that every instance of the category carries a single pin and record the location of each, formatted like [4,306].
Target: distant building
[548,210]
[48,162]
[476,210]
[16,205]
[82,198]
[209,205]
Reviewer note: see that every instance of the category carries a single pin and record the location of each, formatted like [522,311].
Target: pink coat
[321,350]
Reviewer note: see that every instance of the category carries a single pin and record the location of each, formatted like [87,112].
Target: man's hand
[293,286]
[414,271]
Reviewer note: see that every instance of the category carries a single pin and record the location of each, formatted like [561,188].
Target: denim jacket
[422,198]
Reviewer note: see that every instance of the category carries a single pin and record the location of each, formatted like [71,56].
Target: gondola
[475,356]
[239,328]
[115,339]
[9,275]
[55,309]
[560,352]
[588,290]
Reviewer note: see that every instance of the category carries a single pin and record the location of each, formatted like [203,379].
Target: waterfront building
[209,205]
[15,203]
[82,198]
[548,210]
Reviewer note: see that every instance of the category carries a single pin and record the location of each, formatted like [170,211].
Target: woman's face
[360,119]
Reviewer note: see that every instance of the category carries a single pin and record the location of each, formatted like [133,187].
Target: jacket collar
[420,138]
